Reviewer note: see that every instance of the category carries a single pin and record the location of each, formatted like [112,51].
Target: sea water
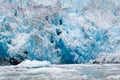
[47,71]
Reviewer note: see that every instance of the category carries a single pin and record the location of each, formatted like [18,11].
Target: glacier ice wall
[59,31]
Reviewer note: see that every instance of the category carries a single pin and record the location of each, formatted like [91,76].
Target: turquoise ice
[59,31]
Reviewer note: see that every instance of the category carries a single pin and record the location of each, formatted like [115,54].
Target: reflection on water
[62,72]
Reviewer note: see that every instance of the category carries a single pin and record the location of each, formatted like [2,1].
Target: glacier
[59,31]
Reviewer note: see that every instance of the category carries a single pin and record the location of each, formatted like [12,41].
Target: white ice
[33,64]
[36,70]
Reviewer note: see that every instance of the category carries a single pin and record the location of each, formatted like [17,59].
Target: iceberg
[33,64]
[58,31]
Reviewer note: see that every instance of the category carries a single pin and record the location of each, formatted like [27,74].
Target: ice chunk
[33,64]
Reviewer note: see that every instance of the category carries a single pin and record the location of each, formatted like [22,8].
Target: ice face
[59,31]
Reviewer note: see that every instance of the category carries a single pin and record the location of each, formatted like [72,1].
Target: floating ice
[62,72]
[33,64]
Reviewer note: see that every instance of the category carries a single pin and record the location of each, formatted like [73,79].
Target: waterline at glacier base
[59,39]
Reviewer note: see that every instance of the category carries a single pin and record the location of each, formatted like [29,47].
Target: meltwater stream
[47,71]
